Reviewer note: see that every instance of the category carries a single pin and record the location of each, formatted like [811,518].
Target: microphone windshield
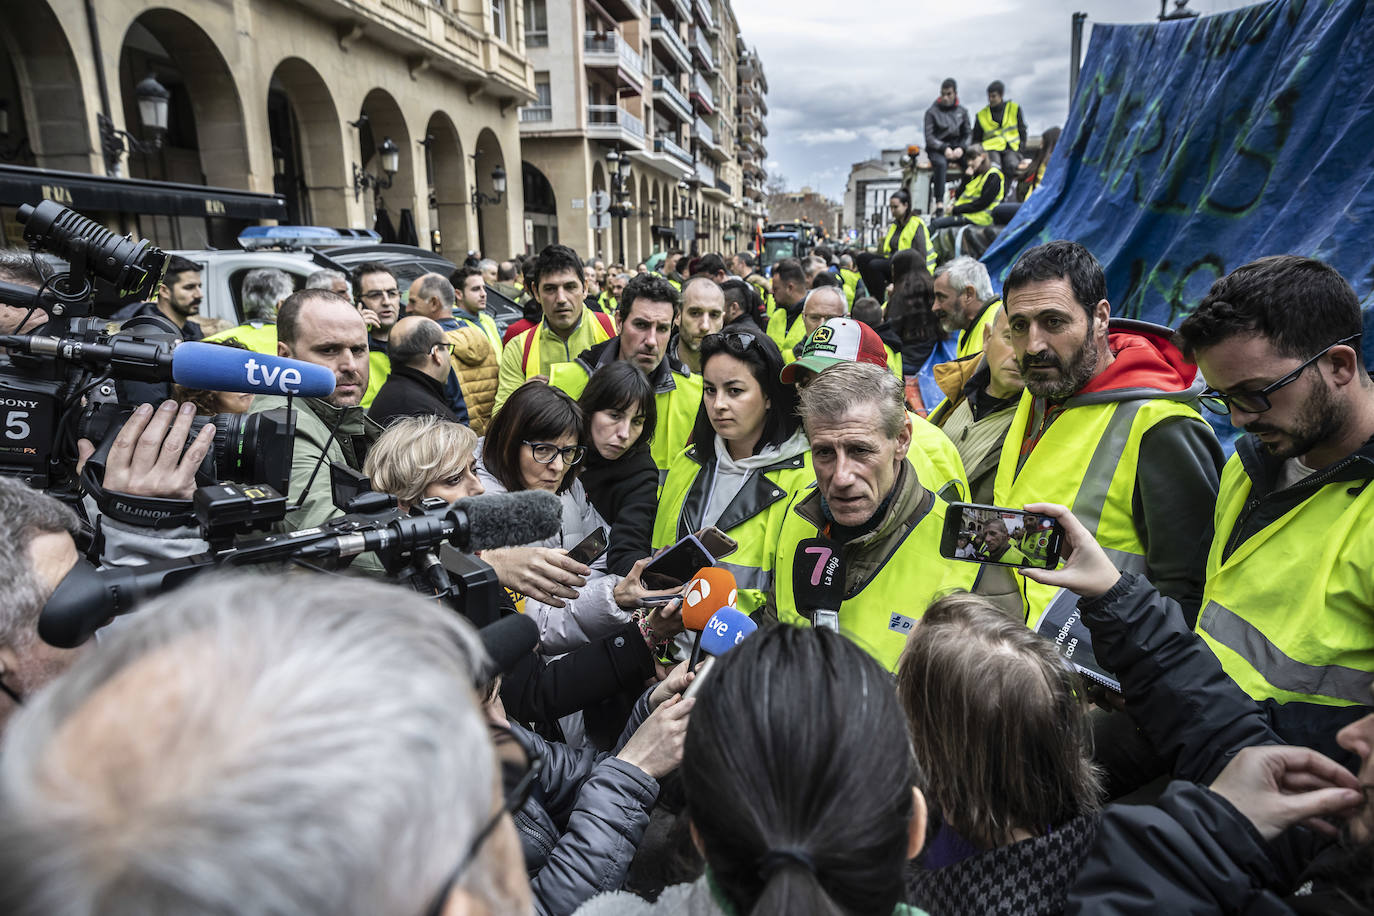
[725,630]
[818,575]
[510,519]
[218,368]
[711,589]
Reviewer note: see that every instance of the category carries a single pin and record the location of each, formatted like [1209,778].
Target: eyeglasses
[1258,401]
[545,452]
[733,340]
[377,295]
[514,800]
[445,346]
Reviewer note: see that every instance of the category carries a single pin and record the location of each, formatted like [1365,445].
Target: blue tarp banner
[1194,147]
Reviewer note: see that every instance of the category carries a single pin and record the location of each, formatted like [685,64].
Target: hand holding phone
[590,547]
[1000,536]
[677,565]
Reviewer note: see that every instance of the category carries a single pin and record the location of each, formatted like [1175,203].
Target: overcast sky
[851,78]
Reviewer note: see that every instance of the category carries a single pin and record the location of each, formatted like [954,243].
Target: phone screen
[1000,536]
[676,565]
[590,547]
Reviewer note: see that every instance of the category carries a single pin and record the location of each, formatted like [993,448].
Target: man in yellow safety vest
[1001,129]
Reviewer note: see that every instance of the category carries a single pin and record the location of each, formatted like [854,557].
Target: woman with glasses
[748,455]
[535,443]
[619,475]
[801,786]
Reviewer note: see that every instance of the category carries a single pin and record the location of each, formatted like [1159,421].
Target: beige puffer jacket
[478,366]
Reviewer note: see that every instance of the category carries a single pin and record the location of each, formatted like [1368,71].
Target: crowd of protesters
[337,741]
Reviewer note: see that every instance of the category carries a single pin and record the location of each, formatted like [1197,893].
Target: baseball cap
[839,340]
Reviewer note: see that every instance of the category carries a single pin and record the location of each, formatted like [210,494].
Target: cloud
[847,82]
[833,135]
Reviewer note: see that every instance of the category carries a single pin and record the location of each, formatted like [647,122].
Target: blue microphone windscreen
[218,368]
[725,630]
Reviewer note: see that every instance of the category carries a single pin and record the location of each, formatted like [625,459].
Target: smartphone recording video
[1000,536]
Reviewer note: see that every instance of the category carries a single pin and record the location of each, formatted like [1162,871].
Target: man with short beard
[321,328]
[1109,424]
[1288,596]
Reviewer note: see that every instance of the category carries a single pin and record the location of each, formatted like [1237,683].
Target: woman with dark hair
[535,443]
[748,455]
[1003,732]
[742,302]
[800,783]
[906,232]
[620,477]
[908,311]
[209,403]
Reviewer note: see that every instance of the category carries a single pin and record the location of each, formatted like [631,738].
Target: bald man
[703,313]
[419,368]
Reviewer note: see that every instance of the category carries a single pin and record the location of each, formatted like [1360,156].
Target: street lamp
[153,101]
[620,194]
[390,156]
[480,200]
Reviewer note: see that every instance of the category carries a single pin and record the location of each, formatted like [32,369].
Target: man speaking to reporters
[320,327]
[870,505]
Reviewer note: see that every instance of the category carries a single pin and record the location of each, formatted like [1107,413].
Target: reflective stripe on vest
[1290,612]
[1086,460]
[974,187]
[1000,136]
[1229,629]
[880,612]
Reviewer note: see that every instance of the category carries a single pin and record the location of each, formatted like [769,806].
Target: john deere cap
[839,340]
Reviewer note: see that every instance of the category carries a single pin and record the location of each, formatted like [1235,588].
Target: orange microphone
[709,590]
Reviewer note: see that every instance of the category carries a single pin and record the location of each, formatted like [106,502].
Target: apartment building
[345,109]
[628,104]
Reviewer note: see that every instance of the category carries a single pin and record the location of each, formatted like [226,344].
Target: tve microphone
[726,629]
[216,368]
[818,581]
[472,523]
[711,589]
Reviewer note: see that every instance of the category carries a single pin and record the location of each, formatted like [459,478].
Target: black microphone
[507,641]
[469,524]
[818,581]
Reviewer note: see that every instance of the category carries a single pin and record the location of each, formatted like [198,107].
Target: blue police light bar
[296,237]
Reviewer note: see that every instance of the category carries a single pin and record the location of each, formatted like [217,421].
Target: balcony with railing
[711,143]
[670,147]
[724,187]
[677,9]
[611,52]
[702,9]
[702,131]
[702,95]
[706,174]
[666,91]
[611,122]
[538,38]
[703,52]
[664,35]
[536,114]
